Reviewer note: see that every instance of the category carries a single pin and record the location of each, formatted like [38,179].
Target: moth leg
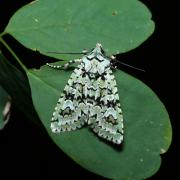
[64,66]
[113,65]
[113,62]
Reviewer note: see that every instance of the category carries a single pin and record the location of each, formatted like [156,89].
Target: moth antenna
[131,66]
[66,52]
[114,58]
[84,51]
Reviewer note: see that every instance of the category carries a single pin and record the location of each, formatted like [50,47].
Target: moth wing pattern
[91,97]
[106,117]
[68,111]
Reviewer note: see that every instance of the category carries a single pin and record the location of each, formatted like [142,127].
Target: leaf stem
[2,34]
[13,53]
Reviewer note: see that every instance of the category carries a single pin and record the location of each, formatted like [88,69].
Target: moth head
[97,53]
[98,49]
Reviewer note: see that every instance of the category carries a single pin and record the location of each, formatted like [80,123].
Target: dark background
[27,151]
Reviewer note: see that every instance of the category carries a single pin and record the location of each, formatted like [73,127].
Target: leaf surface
[147,127]
[68,26]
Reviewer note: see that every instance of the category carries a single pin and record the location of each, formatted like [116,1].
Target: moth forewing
[91,97]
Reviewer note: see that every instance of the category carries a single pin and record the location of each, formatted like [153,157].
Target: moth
[91,98]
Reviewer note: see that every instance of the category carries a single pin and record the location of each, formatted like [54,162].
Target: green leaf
[3,100]
[16,84]
[68,26]
[65,26]
[147,127]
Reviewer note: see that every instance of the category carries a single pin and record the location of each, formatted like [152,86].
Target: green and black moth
[90,97]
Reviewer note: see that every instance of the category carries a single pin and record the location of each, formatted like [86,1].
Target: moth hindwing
[90,97]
